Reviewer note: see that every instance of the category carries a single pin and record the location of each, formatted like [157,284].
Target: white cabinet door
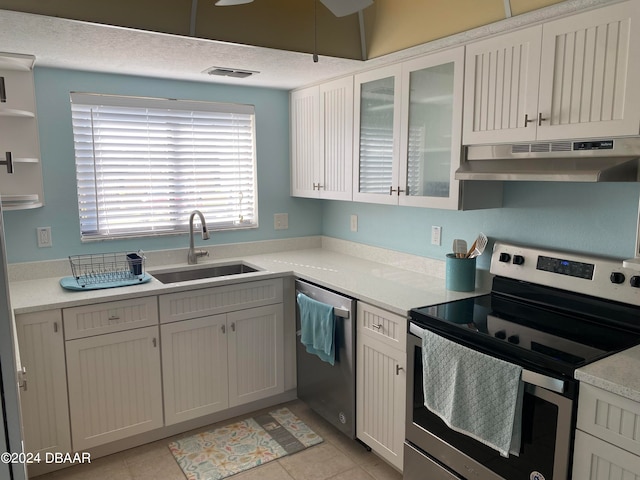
[595,459]
[256,353]
[381,382]
[321,140]
[305,142]
[194,368]
[501,88]
[336,139]
[376,135]
[589,74]
[380,394]
[44,403]
[430,134]
[115,388]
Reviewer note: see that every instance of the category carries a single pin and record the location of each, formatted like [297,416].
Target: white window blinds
[143,164]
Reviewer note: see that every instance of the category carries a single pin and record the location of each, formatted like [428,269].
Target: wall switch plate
[354,223]
[281,221]
[44,237]
[436,235]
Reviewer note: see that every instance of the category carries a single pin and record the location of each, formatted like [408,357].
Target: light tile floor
[337,458]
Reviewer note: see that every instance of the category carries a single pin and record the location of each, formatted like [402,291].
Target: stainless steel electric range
[549,312]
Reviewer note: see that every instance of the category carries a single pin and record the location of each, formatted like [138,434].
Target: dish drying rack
[106,270]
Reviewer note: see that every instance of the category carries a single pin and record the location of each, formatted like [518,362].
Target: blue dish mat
[70,283]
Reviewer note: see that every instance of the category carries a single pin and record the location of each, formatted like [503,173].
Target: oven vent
[561,146]
[540,147]
[521,148]
[229,72]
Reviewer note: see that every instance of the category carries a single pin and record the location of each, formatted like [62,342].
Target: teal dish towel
[473,393]
[318,325]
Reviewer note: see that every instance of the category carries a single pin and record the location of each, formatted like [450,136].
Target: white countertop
[619,373]
[386,286]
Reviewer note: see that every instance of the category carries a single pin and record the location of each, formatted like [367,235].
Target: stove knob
[635,281]
[504,257]
[518,260]
[501,334]
[617,277]
[515,339]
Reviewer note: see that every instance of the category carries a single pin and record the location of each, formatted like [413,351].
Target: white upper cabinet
[574,77]
[408,130]
[321,140]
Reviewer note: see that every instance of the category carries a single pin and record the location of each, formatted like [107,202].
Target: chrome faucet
[192,256]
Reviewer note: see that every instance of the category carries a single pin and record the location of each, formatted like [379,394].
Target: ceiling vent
[229,72]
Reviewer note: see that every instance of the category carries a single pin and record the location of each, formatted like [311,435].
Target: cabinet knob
[395,190]
[527,120]
[223,328]
[398,369]
[233,326]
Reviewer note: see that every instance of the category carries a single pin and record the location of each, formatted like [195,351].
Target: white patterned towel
[473,393]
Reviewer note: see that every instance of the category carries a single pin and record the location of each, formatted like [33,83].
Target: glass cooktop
[550,329]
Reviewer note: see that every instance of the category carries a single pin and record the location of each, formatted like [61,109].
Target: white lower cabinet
[115,386]
[381,382]
[220,361]
[43,398]
[608,437]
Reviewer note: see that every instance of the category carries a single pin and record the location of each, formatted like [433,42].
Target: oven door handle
[533,378]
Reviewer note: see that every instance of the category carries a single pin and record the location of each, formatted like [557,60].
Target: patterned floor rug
[225,451]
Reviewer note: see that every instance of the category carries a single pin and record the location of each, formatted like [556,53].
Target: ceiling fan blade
[228,3]
[341,8]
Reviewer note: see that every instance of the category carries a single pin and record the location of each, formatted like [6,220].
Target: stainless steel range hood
[601,160]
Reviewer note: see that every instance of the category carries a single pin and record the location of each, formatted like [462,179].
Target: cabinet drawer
[610,417]
[80,322]
[387,327]
[595,459]
[211,301]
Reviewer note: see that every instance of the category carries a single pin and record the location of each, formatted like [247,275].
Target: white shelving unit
[20,168]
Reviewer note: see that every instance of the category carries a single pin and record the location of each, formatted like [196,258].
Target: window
[143,164]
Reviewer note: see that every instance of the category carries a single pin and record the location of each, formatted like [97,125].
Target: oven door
[434,449]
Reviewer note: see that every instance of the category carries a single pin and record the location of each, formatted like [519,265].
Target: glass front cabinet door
[409,132]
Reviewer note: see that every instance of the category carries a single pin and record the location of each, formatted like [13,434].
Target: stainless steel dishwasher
[330,390]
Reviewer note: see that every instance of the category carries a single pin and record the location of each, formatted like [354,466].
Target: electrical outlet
[281,221]
[354,223]
[436,235]
[44,237]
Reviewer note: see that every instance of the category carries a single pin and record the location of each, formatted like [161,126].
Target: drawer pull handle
[8,161]
[233,326]
[155,342]
[398,369]
[3,91]
[224,329]
[114,317]
[377,326]
[55,327]
[540,119]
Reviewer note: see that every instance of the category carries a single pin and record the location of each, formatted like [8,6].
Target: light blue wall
[56,145]
[595,218]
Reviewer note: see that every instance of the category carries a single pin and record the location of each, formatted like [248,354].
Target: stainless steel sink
[206,272]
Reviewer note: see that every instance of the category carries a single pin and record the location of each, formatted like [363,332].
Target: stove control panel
[601,277]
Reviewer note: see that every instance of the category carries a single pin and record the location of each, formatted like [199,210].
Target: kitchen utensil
[459,248]
[478,246]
